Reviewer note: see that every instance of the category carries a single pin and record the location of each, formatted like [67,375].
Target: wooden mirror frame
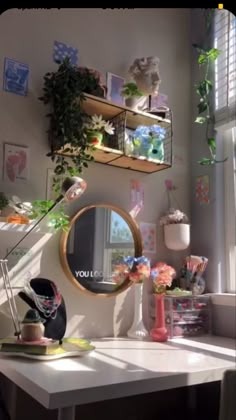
[138,248]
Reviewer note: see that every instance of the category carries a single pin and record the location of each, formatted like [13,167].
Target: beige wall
[108,41]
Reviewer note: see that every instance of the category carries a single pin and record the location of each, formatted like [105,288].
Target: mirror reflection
[96,244]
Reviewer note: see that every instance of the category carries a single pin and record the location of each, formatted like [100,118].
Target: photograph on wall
[115,84]
[148,233]
[15,77]
[16,163]
[202,189]
[61,51]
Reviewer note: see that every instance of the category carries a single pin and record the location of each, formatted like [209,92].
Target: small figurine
[32,328]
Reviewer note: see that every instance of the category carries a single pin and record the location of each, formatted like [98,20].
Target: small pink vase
[159,331]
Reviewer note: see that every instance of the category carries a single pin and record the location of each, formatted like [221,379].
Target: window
[229,138]
[225,115]
[225,65]
[118,244]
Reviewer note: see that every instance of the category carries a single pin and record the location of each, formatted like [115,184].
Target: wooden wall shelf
[117,156]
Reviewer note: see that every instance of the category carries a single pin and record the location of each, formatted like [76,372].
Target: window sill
[224,299]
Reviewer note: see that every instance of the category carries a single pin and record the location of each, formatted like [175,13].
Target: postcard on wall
[15,77]
[202,189]
[61,51]
[115,84]
[148,233]
[136,193]
[16,163]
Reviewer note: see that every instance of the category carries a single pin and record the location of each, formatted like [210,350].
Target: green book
[50,348]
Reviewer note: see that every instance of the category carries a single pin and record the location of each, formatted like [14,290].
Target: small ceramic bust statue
[32,326]
[145,72]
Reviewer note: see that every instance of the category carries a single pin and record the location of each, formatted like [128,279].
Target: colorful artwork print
[148,233]
[61,51]
[202,189]
[136,193]
[114,85]
[15,78]
[16,163]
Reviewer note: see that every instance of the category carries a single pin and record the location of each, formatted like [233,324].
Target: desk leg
[66,413]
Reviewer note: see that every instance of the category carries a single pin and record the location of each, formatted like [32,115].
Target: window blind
[225,65]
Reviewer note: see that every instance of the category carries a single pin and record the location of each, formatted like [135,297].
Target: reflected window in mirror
[99,238]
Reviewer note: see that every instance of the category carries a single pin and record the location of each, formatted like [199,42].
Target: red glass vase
[159,331]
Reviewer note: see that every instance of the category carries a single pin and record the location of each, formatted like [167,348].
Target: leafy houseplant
[132,94]
[3,201]
[38,208]
[204,89]
[63,92]
[97,128]
[176,229]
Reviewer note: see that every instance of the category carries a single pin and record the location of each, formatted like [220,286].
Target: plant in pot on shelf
[132,94]
[96,130]
[26,211]
[176,229]
[162,276]
[3,202]
[63,94]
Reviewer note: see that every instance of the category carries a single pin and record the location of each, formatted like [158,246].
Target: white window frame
[229,138]
[225,65]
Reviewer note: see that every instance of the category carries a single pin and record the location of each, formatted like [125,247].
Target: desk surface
[122,367]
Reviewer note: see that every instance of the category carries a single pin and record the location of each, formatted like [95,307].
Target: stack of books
[45,347]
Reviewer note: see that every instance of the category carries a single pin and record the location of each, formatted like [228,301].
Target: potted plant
[176,229]
[63,93]
[96,128]
[132,94]
[32,211]
[3,201]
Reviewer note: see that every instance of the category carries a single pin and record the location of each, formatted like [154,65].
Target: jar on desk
[187,316]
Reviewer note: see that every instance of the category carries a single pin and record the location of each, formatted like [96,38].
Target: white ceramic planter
[177,236]
[138,329]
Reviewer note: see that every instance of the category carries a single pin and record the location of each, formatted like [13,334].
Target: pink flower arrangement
[136,270]
[162,276]
[120,273]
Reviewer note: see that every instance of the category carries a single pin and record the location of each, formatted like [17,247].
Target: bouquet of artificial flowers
[162,276]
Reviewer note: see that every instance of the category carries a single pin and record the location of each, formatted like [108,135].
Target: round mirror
[99,237]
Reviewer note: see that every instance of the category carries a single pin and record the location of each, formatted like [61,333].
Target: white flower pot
[177,236]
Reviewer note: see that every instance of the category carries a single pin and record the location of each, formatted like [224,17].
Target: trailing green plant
[204,89]
[63,92]
[130,90]
[3,201]
[57,219]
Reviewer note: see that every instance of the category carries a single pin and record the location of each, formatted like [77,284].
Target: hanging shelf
[124,119]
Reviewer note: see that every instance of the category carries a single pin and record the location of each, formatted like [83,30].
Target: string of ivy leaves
[63,92]
[204,89]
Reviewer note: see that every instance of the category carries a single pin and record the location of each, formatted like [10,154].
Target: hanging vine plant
[205,89]
[63,93]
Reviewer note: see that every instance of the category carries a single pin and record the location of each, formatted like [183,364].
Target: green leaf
[212,144]
[202,58]
[206,161]
[202,107]
[200,120]
[213,54]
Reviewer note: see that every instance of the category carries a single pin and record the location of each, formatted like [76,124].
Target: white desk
[120,368]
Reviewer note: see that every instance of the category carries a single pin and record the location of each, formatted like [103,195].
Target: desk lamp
[71,189]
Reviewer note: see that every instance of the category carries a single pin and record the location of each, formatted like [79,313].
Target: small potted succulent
[132,94]
[176,229]
[96,128]
[3,201]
